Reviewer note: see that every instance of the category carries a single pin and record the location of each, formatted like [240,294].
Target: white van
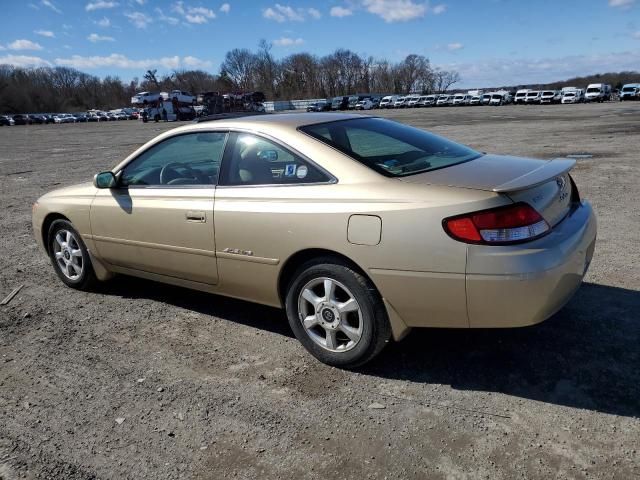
[571,96]
[501,97]
[461,99]
[551,96]
[531,97]
[598,92]
[521,95]
[630,91]
[388,101]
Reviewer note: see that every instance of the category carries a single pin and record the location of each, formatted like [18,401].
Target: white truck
[598,92]
[501,97]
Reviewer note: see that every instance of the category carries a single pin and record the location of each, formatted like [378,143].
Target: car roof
[272,121]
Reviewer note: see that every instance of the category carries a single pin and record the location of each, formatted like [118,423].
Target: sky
[489,42]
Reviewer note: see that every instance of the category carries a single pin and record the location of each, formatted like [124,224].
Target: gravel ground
[144,380]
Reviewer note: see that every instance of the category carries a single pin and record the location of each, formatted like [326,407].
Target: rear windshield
[390,148]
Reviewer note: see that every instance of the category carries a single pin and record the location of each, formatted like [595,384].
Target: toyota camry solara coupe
[359,227]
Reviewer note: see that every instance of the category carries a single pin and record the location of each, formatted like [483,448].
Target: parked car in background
[80,117]
[365,104]
[461,99]
[144,98]
[36,119]
[319,107]
[413,101]
[400,102]
[388,101]
[550,96]
[521,96]
[501,97]
[495,241]
[21,119]
[570,96]
[532,97]
[443,100]
[178,95]
[429,101]
[630,91]
[475,100]
[6,121]
[598,92]
[340,103]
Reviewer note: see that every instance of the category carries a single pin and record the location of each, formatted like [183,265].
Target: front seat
[254,170]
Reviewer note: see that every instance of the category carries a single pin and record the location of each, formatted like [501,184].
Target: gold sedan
[360,227]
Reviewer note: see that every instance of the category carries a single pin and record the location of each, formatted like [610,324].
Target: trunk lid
[543,184]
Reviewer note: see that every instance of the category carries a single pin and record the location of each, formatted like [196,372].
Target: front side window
[390,148]
[189,159]
[255,160]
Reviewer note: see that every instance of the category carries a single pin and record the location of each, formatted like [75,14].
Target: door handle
[196,216]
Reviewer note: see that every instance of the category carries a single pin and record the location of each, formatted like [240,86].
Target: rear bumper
[522,285]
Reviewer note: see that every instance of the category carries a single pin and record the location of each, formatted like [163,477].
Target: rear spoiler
[552,168]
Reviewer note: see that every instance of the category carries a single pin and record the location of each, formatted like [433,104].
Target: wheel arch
[46,225]
[398,327]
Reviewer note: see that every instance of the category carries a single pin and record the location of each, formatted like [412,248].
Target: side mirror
[268,155]
[104,180]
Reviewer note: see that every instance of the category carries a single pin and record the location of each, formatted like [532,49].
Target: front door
[159,218]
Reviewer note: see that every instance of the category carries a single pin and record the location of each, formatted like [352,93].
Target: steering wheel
[169,173]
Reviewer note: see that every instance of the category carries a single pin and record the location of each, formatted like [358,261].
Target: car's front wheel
[70,257]
[337,313]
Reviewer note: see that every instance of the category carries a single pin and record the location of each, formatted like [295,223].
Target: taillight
[509,224]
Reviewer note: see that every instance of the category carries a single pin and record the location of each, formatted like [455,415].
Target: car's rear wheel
[337,313]
[70,257]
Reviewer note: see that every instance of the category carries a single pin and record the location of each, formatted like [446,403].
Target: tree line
[300,75]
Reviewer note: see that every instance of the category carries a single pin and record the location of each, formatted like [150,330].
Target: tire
[368,325]
[72,249]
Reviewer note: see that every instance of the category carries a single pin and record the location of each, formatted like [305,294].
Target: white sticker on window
[302,171]
[290,170]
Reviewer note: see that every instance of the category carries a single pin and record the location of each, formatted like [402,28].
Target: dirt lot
[215,388]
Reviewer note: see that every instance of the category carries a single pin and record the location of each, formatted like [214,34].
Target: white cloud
[509,72]
[100,5]
[288,42]
[197,15]
[340,12]
[139,19]
[2,48]
[94,37]
[141,2]
[636,35]
[166,18]
[23,61]
[195,62]
[103,22]
[49,4]
[452,47]
[621,3]
[225,8]
[283,13]
[395,10]
[24,45]
[116,60]
[438,9]
[45,33]
[314,13]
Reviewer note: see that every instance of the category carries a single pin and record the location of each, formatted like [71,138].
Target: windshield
[496,97]
[532,94]
[570,94]
[390,148]
[593,90]
[628,89]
